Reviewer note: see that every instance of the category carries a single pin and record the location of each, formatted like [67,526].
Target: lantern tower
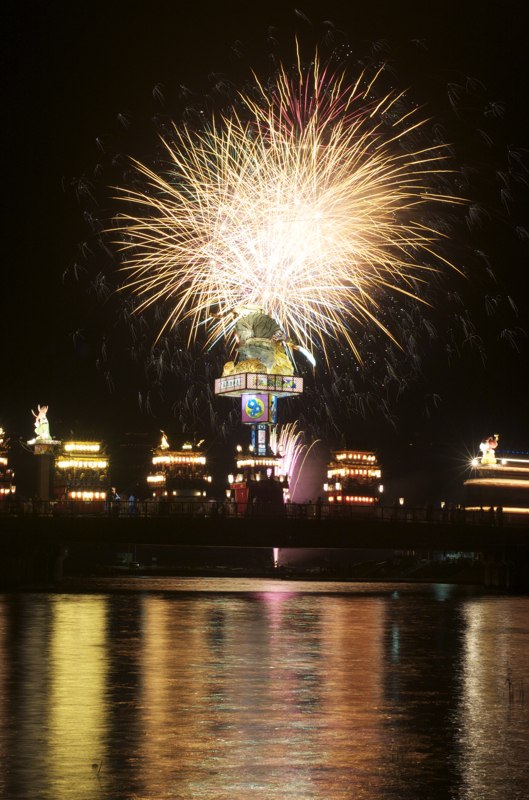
[354,479]
[178,474]
[82,472]
[6,474]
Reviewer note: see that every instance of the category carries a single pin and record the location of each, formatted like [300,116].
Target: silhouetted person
[499,516]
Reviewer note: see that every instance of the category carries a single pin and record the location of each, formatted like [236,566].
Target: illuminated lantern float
[258,477]
[498,479]
[262,374]
[180,475]
[353,479]
[82,474]
[6,474]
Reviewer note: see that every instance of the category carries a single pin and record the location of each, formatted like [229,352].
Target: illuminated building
[178,474]
[498,479]
[258,477]
[81,472]
[6,474]
[354,478]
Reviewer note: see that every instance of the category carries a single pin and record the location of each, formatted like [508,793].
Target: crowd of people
[124,504]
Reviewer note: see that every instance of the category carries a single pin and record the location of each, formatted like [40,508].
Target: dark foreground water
[226,688]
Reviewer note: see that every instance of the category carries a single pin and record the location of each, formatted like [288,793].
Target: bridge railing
[229,509]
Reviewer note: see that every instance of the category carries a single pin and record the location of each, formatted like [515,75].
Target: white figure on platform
[42,426]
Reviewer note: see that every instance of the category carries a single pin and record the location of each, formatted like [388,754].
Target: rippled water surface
[227,688]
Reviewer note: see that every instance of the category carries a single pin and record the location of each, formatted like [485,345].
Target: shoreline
[368,572]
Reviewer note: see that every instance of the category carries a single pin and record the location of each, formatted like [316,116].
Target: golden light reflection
[495,663]
[4,666]
[236,696]
[76,702]
[353,642]
[30,752]
[173,655]
[231,691]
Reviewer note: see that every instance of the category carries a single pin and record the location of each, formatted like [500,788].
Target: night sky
[71,68]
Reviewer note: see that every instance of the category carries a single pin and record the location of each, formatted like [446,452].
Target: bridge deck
[264,531]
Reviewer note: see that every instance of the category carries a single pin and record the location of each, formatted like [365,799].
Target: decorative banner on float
[273,409]
[261,440]
[255,408]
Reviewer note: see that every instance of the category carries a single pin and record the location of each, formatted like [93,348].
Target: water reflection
[364,693]
[29,746]
[4,710]
[75,703]
[493,718]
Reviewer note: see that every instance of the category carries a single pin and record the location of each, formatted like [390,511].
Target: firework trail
[313,203]
[287,441]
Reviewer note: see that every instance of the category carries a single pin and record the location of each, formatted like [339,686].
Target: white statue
[42,426]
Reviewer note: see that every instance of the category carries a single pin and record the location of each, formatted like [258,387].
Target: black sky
[70,68]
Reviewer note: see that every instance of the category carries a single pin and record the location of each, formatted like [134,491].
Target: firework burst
[311,198]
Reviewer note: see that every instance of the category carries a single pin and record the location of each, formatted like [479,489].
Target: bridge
[38,541]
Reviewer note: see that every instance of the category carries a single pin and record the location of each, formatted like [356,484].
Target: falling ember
[312,203]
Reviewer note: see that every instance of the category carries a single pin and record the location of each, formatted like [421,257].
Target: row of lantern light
[257,477]
[338,487]
[348,499]
[355,457]
[179,460]
[259,462]
[184,499]
[373,473]
[88,495]
[81,447]
[503,462]
[92,464]
[161,478]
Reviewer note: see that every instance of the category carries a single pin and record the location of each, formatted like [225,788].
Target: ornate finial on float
[43,445]
[42,426]
[261,344]
[487,447]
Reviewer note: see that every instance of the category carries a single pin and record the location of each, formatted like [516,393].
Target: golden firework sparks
[312,204]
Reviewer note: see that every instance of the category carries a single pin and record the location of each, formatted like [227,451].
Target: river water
[236,688]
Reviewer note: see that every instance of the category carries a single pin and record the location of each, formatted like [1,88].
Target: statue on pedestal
[42,426]
[260,342]
[487,447]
